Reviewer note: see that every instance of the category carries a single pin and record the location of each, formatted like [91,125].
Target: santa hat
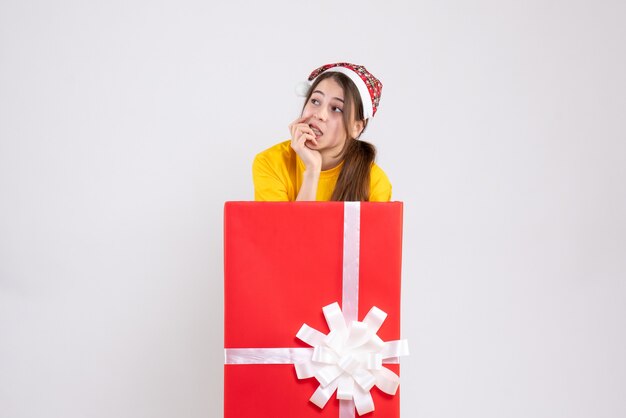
[369,87]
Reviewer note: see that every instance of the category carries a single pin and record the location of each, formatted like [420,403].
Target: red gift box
[283,262]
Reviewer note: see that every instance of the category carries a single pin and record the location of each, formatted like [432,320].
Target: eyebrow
[337,98]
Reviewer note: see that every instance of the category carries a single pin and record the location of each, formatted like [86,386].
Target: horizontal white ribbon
[275,356]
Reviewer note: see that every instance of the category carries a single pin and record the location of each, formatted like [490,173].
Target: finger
[310,144]
[294,130]
[306,129]
[309,138]
[299,141]
[301,137]
[302,129]
[299,145]
[297,121]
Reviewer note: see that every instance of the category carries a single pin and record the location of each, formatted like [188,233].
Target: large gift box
[323,264]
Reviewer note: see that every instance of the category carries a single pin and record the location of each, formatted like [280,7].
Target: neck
[330,161]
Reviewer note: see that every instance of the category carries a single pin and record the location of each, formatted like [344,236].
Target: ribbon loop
[322,394]
[324,355]
[335,339]
[359,334]
[375,318]
[304,370]
[387,381]
[396,348]
[334,317]
[345,389]
[328,374]
[364,379]
[374,361]
[309,335]
[363,401]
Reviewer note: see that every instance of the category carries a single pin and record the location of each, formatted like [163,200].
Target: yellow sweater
[277,173]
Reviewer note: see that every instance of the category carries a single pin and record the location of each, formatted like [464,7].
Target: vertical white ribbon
[350,290]
[351,245]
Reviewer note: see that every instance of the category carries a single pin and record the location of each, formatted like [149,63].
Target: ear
[357,128]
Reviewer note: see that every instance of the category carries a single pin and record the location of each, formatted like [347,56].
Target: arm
[308,190]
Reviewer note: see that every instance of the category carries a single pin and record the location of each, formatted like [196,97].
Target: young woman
[325,159]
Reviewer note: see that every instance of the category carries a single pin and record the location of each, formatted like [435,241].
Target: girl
[325,160]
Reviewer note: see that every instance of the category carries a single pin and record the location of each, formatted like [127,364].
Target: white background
[125,126]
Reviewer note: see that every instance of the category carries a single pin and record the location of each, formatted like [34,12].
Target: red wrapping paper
[282,264]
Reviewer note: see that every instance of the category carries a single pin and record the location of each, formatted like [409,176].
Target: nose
[321,114]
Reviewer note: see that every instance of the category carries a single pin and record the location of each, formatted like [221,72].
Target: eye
[337,109]
[315,101]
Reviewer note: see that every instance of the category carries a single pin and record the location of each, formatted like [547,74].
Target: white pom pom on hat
[369,87]
[302,88]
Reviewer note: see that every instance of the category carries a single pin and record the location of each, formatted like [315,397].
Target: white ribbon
[351,259]
[349,359]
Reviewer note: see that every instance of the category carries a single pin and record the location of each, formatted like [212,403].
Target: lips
[316,130]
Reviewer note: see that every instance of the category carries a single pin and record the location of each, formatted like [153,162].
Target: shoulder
[380,186]
[277,153]
[271,173]
[378,175]
[276,159]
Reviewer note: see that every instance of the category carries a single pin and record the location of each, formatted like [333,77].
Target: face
[324,114]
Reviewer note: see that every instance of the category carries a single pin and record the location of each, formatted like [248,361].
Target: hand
[301,136]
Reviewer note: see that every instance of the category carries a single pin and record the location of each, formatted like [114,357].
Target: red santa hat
[369,87]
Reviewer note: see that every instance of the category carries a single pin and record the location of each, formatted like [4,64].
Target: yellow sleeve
[380,186]
[268,185]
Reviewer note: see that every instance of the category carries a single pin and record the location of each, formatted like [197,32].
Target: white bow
[349,359]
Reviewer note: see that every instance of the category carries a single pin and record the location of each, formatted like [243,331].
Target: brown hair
[358,156]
